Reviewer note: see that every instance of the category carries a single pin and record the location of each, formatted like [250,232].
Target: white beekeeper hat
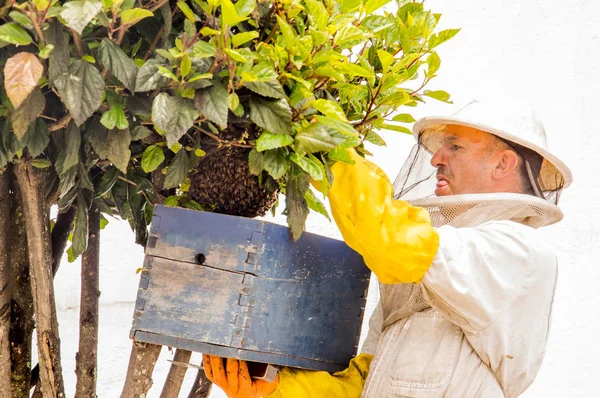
[513,122]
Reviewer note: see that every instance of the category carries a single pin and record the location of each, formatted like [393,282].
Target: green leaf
[374,138]
[272,141]
[117,145]
[173,115]
[354,70]
[14,34]
[103,222]
[233,101]
[439,95]
[441,37]
[37,138]
[315,204]
[80,231]
[98,135]
[206,31]
[404,118]
[329,108]
[177,171]
[41,163]
[106,182]
[172,201]
[152,158]
[244,37]
[316,170]
[348,36]
[255,162]
[393,127]
[433,63]
[115,117]
[59,58]
[134,15]
[20,18]
[81,90]
[119,64]
[289,35]
[78,14]
[212,103]
[275,162]
[319,13]
[140,132]
[373,5]
[236,56]
[339,154]
[166,72]
[315,138]
[149,78]
[245,7]
[203,49]
[271,88]
[296,207]
[69,154]
[186,66]
[229,14]
[187,11]
[386,59]
[349,5]
[46,51]
[274,116]
[342,127]
[30,109]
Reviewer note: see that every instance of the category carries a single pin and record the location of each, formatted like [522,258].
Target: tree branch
[5,281]
[40,272]
[87,357]
[139,373]
[176,374]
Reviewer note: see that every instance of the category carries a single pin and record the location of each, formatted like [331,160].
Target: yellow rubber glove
[299,383]
[235,379]
[397,241]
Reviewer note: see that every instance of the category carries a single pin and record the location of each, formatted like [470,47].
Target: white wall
[544,51]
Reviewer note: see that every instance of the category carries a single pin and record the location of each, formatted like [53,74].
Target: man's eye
[454,147]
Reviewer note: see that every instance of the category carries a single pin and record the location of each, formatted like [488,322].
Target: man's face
[464,162]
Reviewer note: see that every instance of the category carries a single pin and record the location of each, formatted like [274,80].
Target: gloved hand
[233,377]
[396,239]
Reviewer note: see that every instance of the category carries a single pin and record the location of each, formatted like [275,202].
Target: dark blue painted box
[240,287]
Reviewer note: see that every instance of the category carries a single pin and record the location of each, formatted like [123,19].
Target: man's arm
[397,241]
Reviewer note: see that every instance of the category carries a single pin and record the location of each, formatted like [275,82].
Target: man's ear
[507,164]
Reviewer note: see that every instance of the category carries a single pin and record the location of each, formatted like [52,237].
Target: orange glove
[234,378]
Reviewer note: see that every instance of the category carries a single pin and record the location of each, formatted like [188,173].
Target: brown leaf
[21,75]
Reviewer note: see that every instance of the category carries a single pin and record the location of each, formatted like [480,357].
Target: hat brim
[551,168]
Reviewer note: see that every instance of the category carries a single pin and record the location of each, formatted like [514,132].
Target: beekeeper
[467,281]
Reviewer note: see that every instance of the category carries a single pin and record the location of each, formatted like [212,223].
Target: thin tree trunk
[40,270]
[60,235]
[176,374]
[5,281]
[21,318]
[201,387]
[139,372]
[87,357]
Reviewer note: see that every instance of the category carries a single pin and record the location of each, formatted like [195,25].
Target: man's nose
[437,160]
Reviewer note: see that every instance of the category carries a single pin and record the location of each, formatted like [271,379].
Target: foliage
[114,94]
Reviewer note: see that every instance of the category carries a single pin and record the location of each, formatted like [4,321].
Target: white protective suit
[490,289]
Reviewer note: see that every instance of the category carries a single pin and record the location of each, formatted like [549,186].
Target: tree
[108,107]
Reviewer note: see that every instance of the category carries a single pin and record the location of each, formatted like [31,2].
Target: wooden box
[240,287]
